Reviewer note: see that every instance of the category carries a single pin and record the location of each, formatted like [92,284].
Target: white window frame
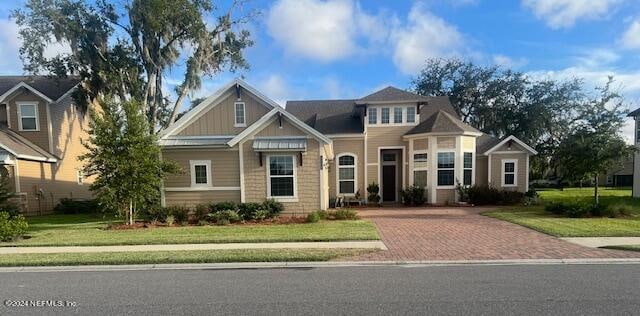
[388,116]
[470,168]
[415,114]
[515,172]
[371,110]
[355,173]
[452,186]
[420,152]
[19,106]
[207,164]
[294,197]
[235,114]
[80,177]
[402,111]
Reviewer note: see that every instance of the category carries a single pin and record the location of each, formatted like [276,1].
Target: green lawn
[536,218]
[86,230]
[193,256]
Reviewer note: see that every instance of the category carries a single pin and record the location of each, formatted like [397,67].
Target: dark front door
[388,183]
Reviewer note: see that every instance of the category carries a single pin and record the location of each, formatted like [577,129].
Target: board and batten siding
[342,146]
[220,119]
[225,166]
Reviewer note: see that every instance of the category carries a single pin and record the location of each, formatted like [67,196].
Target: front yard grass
[192,256]
[88,230]
[536,218]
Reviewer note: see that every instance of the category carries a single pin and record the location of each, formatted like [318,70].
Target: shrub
[484,195]
[373,189]
[313,217]
[618,210]
[203,223]
[170,220]
[510,197]
[323,214]
[413,196]
[274,207]
[345,214]
[570,209]
[555,208]
[10,208]
[201,212]
[12,228]
[246,210]
[261,215]
[154,214]
[179,213]
[70,206]
[222,206]
[225,217]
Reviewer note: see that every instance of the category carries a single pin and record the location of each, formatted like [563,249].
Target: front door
[389,183]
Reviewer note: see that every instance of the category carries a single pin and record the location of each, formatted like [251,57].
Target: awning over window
[280,144]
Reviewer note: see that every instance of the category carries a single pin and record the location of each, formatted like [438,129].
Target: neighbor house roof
[486,142]
[22,148]
[51,87]
[442,122]
[392,94]
[635,113]
[328,116]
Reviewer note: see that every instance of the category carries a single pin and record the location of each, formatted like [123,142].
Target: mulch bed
[281,220]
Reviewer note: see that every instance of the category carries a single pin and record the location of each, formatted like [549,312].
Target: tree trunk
[597,199]
[130,212]
[181,96]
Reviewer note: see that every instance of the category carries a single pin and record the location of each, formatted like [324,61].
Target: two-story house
[40,132]
[239,145]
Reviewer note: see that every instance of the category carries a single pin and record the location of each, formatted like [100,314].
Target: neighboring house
[238,145]
[620,176]
[40,132]
[636,156]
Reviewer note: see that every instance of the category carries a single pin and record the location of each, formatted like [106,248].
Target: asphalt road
[396,290]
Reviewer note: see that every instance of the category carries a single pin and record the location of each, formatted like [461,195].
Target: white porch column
[636,160]
[410,171]
[459,161]
[432,173]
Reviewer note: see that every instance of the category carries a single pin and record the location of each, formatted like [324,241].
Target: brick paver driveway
[464,234]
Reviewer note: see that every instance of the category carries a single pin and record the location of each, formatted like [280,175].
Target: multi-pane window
[385,115]
[420,178]
[420,160]
[28,117]
[373,115]
[411,114]
[509,172]
[346,174]
[467,169]
[240,114]
[397,115]
[200,173]
[281,176]
[446,167]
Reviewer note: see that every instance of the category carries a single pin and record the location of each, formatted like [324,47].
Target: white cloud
[424,36]
[322,30]
[508,62]
[275,88]
[631,38]
[564,13]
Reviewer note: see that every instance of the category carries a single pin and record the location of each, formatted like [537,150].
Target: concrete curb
[597,242]
[329,264]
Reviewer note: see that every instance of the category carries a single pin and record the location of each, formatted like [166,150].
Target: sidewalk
[177,247]
[597,242]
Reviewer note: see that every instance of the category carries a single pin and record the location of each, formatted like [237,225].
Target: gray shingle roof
[328,116]
[442,122]
[486,142]
[393,94]
[53,88]
[21,147]
[635,113]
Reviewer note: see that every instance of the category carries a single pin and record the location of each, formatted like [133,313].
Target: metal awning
[280,144]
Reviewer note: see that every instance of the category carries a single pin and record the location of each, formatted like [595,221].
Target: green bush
[152,214]
[222,206]
[261,215]
[345,214]
[246,210]
[413,196]
[201,212]
[485,195]
[12,228]
[571,209]
[274,207]
[618,210]
[170,220]
[555,208]
[70,206]
[313,217]
[372,193]
[225,217]
[179,213]
[323,214]
[10,208]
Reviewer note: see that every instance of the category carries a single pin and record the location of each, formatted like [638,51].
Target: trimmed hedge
[70,206]
[484,195]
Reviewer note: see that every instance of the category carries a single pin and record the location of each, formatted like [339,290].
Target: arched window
[347,174]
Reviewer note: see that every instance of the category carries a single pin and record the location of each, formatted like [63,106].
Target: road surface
[612,289]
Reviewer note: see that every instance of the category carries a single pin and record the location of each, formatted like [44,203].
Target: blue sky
[311,49]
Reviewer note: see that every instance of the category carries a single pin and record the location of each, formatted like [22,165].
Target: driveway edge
[293,265]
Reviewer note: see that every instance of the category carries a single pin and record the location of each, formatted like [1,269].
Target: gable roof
[486,142]
[23,148]
[328,116]
[392,94]
[211,102]
[634,113]
[442,122]
[48,88]
[504,141]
